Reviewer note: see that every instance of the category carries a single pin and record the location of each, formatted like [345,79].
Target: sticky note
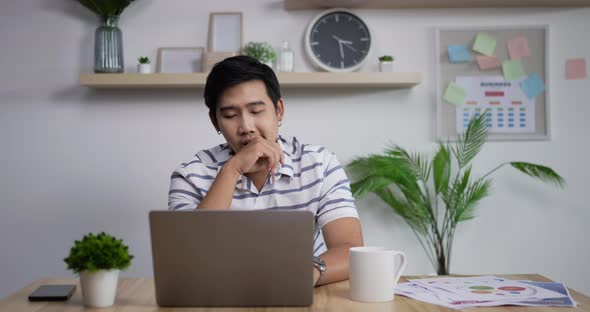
[455,94]
[532,86]
[485,44]
[513,69]
[487,62]
[575,69]
[459,54]
[518,47]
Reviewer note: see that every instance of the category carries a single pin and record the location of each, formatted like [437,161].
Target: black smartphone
[52,293]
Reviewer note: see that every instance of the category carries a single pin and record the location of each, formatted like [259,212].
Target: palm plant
[433,197]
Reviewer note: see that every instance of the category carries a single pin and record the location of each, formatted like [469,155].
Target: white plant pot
[385,66]
[99,288]
[144,68]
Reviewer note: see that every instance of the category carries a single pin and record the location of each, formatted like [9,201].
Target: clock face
[338,41]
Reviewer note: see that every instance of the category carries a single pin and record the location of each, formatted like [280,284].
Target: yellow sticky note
[455,94]
[485,44]
[513,69]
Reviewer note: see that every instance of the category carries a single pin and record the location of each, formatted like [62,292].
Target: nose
[246,125]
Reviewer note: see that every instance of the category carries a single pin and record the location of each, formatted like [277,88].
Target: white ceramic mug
[373,273]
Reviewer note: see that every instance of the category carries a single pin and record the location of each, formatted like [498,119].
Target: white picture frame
[225,32]
[180,59]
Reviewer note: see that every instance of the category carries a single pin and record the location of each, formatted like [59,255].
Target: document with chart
[508,108]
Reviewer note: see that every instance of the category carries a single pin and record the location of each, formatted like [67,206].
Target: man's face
[244,112]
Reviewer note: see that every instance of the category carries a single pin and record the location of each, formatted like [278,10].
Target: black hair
[235,70]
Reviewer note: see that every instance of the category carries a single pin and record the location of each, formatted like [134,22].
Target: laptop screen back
[232,258]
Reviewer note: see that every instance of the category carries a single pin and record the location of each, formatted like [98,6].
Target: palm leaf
[540,172]
[454,197]
[414,217]
[369,174]
[441,169]
[475,192]
[471,141]
[378,174]
[417,161]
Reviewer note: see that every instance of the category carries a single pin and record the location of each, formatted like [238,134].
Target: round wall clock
[337,40]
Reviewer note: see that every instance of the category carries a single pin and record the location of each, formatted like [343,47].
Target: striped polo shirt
[311,178]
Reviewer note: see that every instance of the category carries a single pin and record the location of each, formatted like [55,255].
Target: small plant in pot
[386,63]
[262,51]
[144,66]
[98,259]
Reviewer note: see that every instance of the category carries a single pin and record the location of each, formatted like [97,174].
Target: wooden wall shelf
[287,80]
[424,4]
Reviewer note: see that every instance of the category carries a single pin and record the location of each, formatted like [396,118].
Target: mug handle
[402,266]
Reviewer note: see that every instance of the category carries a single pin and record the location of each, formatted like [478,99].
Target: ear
[214,120]
[280,109]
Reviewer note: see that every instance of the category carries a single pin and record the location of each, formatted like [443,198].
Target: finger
[274,149]
[271,157]
[279,152]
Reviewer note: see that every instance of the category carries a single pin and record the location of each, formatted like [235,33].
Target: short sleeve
[183,194]
[336,197]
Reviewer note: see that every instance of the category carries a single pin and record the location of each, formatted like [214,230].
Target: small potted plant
[144,66]
[386,63]
[98,260]
[262,51]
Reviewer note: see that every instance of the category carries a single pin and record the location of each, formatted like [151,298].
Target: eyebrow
[230,107]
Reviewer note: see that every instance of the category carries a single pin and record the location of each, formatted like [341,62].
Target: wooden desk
[137,295]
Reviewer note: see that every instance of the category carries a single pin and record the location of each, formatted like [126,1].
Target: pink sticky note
[518,47]
[575,69]
[487,62]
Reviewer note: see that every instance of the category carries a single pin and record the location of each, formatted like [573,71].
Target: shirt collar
[287,167]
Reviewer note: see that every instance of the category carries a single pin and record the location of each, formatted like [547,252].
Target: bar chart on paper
[506,106]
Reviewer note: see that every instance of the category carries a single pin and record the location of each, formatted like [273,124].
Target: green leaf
[393,168]
[98,252]
[106,7]
[417,162]
[369,174]
[441,169]
[377,174]
[471,141]
[454,198]
[475,192]
[540,172]
[406,210]
[369,185]
[262,51]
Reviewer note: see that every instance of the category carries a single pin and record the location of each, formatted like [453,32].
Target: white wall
[75,160]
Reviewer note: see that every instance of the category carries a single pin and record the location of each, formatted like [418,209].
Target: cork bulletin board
[534,118]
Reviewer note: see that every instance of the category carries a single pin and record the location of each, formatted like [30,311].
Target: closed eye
[230,116]
[257,112]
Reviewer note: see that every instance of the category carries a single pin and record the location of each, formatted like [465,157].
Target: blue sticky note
[532,86]
[459,54]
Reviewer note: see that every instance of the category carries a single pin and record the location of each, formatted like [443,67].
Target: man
[259,169]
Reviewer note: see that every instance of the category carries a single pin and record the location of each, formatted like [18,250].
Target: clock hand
[341,40]
[350,47]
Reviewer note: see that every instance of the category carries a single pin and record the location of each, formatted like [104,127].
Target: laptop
[232,258]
